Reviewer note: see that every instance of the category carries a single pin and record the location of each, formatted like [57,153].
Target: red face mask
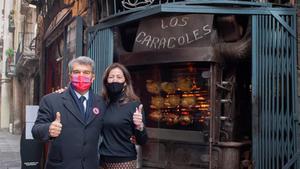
[81,83]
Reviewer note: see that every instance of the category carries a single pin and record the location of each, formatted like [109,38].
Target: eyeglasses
[85,72]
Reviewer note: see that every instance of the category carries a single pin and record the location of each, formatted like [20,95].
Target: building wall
[59,27]
[1,34]
[6,81]
[22,86]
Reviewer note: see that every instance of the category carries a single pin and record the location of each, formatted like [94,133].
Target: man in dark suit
[71,121]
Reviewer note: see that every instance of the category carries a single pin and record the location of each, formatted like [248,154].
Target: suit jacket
[77,145]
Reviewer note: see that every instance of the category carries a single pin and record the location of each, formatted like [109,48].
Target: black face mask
[115,87]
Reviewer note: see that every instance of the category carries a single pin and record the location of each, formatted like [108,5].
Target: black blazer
[77,145]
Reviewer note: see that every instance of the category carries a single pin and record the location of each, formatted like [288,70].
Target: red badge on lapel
[96,110]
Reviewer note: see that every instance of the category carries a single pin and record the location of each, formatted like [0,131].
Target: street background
[9,150]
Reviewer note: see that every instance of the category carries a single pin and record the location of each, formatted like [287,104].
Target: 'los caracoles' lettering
[174,22]
[155,42]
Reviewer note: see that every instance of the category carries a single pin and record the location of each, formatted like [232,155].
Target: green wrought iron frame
[274,119]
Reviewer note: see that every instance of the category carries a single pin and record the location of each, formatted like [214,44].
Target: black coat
[77,145]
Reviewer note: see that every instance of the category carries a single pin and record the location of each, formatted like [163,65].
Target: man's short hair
[82,60]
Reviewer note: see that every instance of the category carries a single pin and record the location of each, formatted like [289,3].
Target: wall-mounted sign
[31,114]
[177,31]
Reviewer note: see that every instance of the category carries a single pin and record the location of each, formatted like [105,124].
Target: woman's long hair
[129,94]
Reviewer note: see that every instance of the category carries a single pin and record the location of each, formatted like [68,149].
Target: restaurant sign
[177,31]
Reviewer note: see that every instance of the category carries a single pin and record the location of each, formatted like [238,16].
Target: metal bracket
[292,161]
[5,80]
[224,85]
[226,101]
[283,23]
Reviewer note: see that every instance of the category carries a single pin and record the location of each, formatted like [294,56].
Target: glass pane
[175,96]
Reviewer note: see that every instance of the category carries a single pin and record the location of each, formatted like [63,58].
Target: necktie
[81,105]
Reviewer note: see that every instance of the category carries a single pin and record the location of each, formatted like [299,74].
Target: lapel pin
[96,110]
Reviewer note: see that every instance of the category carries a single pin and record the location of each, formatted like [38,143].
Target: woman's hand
[60,90]
[138,118]
[133,139]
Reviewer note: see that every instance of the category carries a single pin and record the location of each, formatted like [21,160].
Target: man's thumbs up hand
[138,118]
[55,126]
[57,117]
